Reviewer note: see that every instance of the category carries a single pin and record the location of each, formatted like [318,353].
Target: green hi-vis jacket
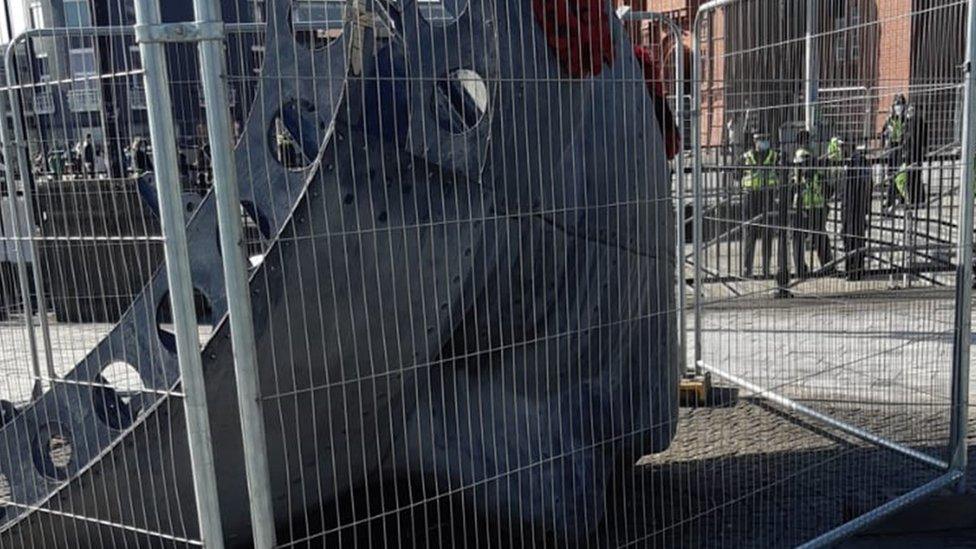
[811,189]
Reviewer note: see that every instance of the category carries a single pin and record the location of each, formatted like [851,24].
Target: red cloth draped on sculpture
[578,31]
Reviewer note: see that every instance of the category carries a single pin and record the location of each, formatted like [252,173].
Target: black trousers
[855,246]
[758,209]
[811,223]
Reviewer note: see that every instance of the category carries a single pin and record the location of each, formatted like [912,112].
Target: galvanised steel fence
[833,252]
[301,273]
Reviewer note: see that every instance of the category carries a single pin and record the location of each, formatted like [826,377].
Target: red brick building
[869,51]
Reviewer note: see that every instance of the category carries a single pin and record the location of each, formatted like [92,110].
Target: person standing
[56,162]
[760,181]
[141,161]
[908,181]
[855,197]
[835,150]
[916,141]
[892,140]
[836,162]
[203,166]
[810,220]
[88,157]
[893,135]
[907,187]
[74,159]
[40,164]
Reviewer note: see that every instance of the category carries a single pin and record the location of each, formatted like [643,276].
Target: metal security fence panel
[829,201]
[94,438]
[106,372]
[483,272]
[468,329]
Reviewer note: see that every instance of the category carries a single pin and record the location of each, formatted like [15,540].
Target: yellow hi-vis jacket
[756,178]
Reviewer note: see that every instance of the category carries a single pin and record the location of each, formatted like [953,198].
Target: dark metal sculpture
[496,271]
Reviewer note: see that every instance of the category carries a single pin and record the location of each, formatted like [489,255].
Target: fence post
[23,164]
[674,31]
[22,275]
[811,65]
[696,144]
[227,195]
[160,115]
[679,168]
[964,269]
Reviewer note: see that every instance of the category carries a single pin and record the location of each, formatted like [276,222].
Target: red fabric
[654,77]
[578,31]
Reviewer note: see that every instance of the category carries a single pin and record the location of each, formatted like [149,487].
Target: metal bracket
[179,32]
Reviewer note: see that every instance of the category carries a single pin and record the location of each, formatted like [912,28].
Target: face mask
[762,145]
[899,110]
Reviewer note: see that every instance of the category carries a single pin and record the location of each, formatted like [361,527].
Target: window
[441,11]
[135,58]
[43,102]
[84,95]
[847,29]
[43,96]
[137,95]
[43,67]
[840,42]
[319,21]
[82,99]
[137,91]
[82,62]
[77,13]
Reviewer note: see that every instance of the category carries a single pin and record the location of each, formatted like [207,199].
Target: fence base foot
[698,391]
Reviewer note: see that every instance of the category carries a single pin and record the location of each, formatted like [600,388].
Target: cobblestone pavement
[751,475]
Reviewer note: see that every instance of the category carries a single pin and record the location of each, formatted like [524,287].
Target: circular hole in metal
[442,12]
[317,24]
[164,320]
[294,135]
[253,232]
[117,385]
[460,100]
[53,450]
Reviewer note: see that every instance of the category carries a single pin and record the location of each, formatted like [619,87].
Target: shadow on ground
[742,476]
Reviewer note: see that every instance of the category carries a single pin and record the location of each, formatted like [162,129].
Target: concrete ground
[70,343]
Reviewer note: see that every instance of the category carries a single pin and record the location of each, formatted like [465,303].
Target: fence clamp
[180,32]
